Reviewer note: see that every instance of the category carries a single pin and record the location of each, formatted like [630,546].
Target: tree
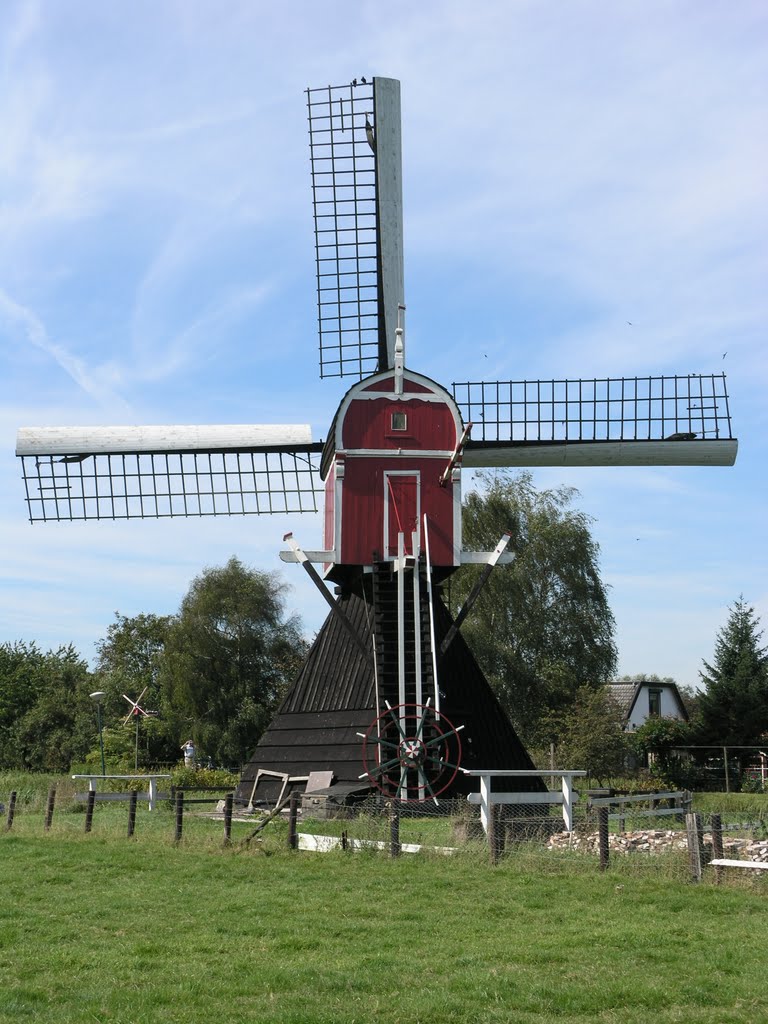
[733,710]
[228,658]
[589,734]
[46,718]
[542,627]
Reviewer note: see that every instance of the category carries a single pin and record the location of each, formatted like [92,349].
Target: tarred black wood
[334,698]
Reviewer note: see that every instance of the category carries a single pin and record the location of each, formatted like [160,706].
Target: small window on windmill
[399,421]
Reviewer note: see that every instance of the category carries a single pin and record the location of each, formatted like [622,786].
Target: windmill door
[401,509]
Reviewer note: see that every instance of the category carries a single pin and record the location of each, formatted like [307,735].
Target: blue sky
[567,168]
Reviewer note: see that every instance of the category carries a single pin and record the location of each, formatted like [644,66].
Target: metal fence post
[727,773]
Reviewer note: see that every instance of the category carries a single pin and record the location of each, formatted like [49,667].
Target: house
[646,699]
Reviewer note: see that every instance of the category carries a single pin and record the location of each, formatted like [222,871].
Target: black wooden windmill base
[334,700]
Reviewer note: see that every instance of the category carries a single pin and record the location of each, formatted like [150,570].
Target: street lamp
[98,697]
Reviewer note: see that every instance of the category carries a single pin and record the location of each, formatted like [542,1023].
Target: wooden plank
[658,813]
[521,798]
[725,862]
[606,801]
[129,439]
[118,797]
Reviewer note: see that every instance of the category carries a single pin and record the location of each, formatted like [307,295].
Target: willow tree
[542,627]
[229,655]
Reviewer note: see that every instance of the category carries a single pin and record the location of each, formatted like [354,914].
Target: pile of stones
[656,841]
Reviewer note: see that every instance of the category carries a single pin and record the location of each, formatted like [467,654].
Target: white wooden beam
[604,453]
[102,440]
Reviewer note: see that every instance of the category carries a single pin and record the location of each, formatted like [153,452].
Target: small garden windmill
[389,662]
[136,714]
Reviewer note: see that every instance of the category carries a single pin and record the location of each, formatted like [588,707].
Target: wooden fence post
[344,839]
[49,808]
[495,834]
[11,811]
[228,799]
[132,812]
[89,809]
[717,844]
[602,836]
[394,829]
[695,836]
[293,814]
[179,815]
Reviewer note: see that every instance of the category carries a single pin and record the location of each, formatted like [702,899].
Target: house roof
[626,694]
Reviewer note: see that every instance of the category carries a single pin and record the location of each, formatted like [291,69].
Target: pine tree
[733,710]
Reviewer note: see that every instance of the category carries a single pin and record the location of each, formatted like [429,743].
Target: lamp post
[98,697]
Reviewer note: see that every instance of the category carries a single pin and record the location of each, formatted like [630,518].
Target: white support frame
[151,779]
[486,798]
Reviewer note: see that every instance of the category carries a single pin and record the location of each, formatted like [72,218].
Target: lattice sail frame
[356,165]
[344,201]
[168,484]
[597,409]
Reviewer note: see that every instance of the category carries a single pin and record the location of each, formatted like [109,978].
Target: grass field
[142,931]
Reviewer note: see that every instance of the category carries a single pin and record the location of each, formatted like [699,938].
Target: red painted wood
[372,501]
[368,424]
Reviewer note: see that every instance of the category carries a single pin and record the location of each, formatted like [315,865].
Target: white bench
[151,781]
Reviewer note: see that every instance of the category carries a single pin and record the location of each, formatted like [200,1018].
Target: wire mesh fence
[629,834]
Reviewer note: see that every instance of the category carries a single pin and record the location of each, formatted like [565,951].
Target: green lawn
[102,929]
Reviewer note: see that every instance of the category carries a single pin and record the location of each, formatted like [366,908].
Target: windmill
[389,665]
[136,714]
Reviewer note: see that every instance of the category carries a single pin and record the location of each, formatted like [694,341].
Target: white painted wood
[568,798]
[401,621]
[432,642]
[485,801]
[721,862]
[486,797]
[150,779]
[417,617]
[389,206]
[551,797]
[310,556]
[606,453]
[324,844]
[103,440]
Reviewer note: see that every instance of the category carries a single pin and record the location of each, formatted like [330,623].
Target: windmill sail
[355,153]
[625,421]
[74,473]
